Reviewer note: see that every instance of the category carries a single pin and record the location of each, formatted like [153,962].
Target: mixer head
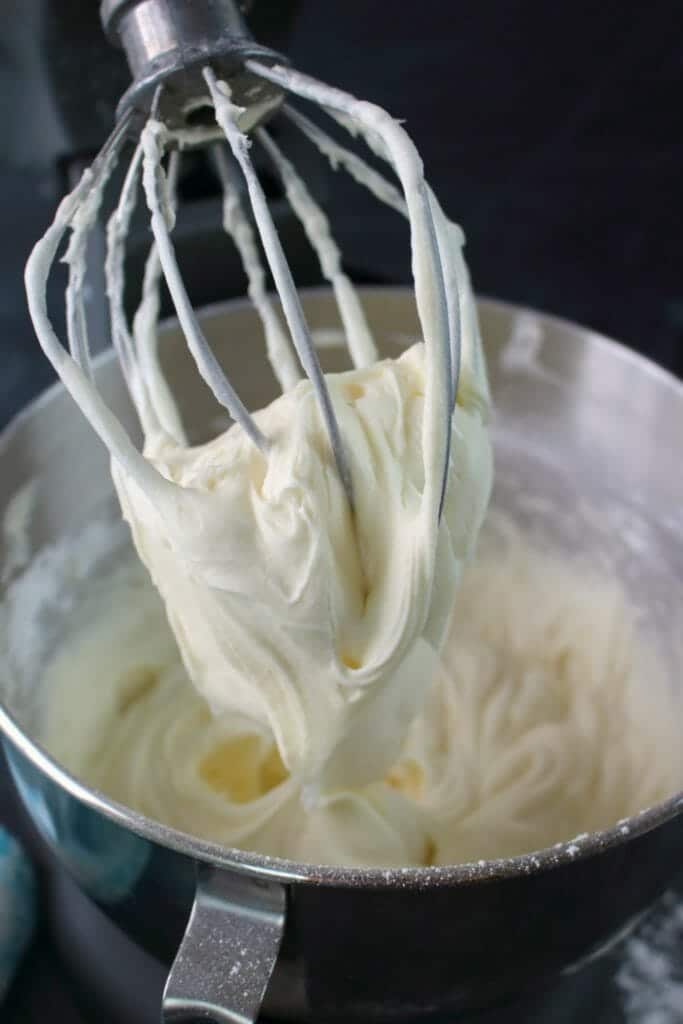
[169,42]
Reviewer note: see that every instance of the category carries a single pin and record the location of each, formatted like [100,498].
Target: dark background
[551,131]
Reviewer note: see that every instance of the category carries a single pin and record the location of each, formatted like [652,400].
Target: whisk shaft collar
[169,42]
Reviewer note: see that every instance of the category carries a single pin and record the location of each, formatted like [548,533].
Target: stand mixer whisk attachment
[200,79]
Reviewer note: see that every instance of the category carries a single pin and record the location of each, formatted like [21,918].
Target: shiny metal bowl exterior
[579,419]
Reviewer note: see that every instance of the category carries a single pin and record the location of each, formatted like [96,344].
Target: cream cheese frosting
[308,583]
[320,624]
[528,736]
[284,685]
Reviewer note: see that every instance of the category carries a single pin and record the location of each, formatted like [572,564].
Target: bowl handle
[229,949]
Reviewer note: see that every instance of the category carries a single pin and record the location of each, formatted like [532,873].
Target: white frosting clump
[316,619]
[320,625]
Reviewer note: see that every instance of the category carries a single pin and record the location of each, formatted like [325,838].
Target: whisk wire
[282,275]
[118,227]
[316,225]
[38,269]
[80,223]
[438,269]
[377,185]
[236,224]
[388,141]
[154,182]
[145,334]
[354,165]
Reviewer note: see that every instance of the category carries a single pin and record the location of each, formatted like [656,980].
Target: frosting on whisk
[309,557]
[288,608]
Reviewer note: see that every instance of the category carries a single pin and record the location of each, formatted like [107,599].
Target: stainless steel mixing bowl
[587,446]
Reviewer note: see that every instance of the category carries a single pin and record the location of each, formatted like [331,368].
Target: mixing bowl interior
[585,442]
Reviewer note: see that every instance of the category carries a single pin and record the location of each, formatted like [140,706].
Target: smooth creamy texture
[530,734]
[320,622]
[320,626]
[320,723]
[316,619]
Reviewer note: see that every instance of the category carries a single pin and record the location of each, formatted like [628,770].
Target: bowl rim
[289,871]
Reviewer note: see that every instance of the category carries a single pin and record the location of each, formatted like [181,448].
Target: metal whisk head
[184,64]
[169,42]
